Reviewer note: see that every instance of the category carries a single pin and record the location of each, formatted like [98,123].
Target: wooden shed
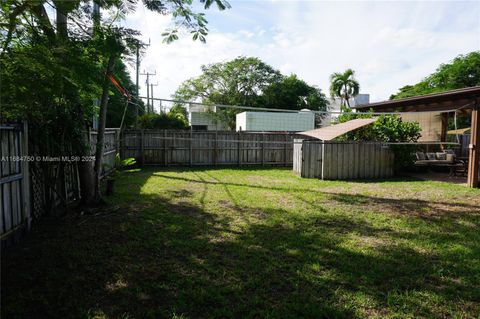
[313,158]
[321,157]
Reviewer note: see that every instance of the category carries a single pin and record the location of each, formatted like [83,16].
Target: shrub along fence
[208,148]
[342,160]
[32,185]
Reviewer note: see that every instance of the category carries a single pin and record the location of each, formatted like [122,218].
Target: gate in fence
[14,179]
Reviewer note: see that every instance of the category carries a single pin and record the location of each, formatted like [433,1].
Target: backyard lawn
[253,243]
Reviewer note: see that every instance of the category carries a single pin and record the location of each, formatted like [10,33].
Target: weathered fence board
[342,160]
[14,178]
[206,148]
[297,161]
[111,144]
[24,187]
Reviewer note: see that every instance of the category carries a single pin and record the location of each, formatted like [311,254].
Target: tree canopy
[237,82]
[53,70]
[389,129]
[292,93]
[463,71]
[248,81]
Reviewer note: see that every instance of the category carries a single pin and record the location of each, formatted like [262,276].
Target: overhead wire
[299,111]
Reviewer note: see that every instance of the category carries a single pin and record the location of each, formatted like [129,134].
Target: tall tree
[463,71]
[294,94]
[72,60]
[344,86]
[248,81]
[237,82]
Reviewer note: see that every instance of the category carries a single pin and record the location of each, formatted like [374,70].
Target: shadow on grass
[149,256]
[415,206]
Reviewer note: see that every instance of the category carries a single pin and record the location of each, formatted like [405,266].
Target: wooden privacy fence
[208,148]
[31,184]
[342,160]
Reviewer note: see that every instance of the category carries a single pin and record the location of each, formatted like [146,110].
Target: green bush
[170,120]
[389,129]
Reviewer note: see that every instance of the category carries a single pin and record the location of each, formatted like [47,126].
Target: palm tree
[344,86]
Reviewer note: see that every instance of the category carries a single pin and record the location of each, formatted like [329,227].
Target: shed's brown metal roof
[330,132]
[460,95]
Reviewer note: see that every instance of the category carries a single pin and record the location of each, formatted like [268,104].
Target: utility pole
[148,74]
[137,82]
[151,95]
[148,93]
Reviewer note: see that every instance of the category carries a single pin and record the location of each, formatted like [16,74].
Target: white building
[275,121]
[200,117]
[334,106]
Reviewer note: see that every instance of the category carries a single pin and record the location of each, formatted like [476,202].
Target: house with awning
[432,111]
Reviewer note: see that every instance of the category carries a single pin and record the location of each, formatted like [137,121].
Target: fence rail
[208,148]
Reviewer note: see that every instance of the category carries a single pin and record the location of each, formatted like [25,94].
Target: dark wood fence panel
[29,183]
[110,148]
[207,148]
[14,179]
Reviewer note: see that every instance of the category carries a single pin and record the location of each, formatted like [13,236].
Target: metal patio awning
[330,132]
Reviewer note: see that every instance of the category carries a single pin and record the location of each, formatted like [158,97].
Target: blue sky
[388,44]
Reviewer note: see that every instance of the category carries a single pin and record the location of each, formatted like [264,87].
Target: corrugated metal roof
[452,95]
[330,132]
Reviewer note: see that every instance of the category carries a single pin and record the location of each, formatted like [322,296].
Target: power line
[299,111]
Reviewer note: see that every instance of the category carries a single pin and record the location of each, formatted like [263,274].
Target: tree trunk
[101,128]
[85,174]
[62,26]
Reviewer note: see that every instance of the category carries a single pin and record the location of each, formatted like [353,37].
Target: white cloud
[388,44]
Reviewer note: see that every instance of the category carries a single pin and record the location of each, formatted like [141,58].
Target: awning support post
[474,153]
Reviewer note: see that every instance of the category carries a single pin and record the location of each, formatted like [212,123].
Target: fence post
[263,149]
[239,148]
[215,159]
[142,147]
[26,177]
[121,142]
[191,145]
[165,157]
[117,144]
[285,149]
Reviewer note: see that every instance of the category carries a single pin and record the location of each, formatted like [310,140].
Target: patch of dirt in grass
[253,212]
[181,193]
[134,208]
[187,209]
[371,241]
[401,206]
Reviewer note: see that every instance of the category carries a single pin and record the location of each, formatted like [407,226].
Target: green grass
[254,243]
